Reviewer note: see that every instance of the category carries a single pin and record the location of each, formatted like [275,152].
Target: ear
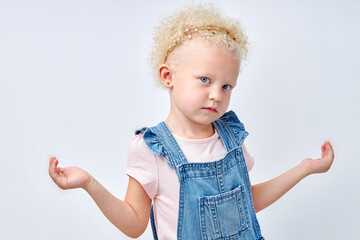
[166,75]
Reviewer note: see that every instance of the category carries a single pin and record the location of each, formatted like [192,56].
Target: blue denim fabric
[215,200]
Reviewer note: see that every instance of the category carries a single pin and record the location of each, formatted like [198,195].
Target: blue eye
[205,80]
[227,87]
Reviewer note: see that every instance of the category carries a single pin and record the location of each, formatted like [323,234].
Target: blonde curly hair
[189,22]
[206,21]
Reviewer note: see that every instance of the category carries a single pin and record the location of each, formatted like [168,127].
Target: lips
[211,109]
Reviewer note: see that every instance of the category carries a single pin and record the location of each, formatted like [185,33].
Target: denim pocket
[224,216]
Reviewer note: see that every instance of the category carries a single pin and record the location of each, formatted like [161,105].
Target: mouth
[211,109]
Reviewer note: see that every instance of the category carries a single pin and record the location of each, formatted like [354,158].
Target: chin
[209,120]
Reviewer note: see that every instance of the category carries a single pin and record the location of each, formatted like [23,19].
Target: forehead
[199,54]
[199,58]
[198,49]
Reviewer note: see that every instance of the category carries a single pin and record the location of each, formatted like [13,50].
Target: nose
[215,95]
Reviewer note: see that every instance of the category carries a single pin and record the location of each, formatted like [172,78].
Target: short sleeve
[248,158]
[142,165]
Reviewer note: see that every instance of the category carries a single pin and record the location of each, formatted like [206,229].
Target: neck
[185,128]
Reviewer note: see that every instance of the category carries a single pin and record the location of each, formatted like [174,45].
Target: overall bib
[215,200]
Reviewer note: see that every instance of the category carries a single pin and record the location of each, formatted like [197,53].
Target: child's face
[202,82]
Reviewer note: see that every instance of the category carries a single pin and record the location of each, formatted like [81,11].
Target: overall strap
[161,141]
[231,130]
[152,220]
[174,154]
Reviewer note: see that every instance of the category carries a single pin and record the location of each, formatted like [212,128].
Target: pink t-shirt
[160,181]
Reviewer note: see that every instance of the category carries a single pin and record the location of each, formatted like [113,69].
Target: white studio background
[74,83]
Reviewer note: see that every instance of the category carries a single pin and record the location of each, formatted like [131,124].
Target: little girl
[189,174]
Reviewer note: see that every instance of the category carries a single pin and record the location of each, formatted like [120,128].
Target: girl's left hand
[323,164]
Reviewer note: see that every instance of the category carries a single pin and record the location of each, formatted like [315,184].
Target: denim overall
[215,200]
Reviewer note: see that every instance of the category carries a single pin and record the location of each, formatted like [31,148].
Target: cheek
[199,96]
[226,99]
[228,96]
[192,98]
[192,93]
[186,96]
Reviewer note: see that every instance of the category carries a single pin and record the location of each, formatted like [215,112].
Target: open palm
[69,177]
[323,164]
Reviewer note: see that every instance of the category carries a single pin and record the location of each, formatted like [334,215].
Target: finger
[53,170]
[330,149]
[323,147]
[52,173]
[329,145]
[323,150]
[51,162]
[328,153]
[326,147]
[58,169]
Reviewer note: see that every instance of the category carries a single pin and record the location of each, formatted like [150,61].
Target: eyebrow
[205,74]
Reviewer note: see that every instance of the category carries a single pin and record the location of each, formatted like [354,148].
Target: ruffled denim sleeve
[152,141]
[236,127]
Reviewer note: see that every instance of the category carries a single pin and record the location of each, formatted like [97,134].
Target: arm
[130,216]
[266,193]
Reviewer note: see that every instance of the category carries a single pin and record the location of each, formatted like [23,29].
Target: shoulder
[138,150]
[137,143]
[232,120]
[142,165]
[151,139]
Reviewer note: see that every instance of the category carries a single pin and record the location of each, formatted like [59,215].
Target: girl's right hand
[69,177]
